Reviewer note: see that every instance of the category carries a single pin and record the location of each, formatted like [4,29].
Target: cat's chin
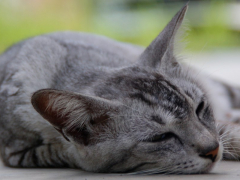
[209,168]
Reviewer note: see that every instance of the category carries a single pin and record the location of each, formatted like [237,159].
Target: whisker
[152,171]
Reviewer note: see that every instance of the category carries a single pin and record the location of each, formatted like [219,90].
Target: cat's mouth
[211,166]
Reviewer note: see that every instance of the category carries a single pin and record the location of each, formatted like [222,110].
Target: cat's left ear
[75,116]
[159,54]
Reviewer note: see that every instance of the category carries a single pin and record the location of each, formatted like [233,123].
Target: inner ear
[46,103]
[100,119]
[73,115]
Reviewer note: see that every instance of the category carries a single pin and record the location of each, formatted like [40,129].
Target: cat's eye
[199,108]
[161,137]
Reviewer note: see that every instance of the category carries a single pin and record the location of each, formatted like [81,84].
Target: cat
[84,101]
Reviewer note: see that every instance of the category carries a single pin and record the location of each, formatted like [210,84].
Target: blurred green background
[213,24]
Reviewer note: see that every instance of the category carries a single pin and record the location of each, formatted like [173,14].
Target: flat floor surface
[223,65]
[225,170]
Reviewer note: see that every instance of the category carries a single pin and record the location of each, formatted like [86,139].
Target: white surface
[224,171]
[224,65]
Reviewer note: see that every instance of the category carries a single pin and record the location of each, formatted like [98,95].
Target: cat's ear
[160,52]
[72,114]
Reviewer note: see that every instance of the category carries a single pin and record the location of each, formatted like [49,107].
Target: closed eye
[200,108]
[161,137]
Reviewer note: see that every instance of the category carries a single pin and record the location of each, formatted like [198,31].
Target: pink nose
[212,154]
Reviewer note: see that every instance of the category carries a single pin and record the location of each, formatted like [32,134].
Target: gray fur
[106,106]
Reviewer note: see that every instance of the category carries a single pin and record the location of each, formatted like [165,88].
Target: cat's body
[119,108]
[45,72]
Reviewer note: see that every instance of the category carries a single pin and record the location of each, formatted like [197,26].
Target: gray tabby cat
[106,106]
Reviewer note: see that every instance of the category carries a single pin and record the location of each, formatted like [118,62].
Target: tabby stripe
[142,98]
[21,159]
[157,119]
[34,157]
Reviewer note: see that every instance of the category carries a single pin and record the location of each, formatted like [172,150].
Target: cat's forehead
[152,89]
[154,82]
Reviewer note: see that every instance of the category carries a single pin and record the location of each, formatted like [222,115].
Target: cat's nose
[211,154]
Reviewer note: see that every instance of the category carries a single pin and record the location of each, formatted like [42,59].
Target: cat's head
[151,117]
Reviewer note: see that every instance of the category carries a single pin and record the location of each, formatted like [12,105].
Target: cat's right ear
[160,53]
[72,114]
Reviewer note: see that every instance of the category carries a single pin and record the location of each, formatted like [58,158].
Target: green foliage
[214,31]
[120,20]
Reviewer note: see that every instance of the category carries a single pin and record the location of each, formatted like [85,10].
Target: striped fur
[106,106]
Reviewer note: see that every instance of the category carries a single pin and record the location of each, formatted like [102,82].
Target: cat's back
[52,60]
[61,60]
[36,61]
[55,60]
[83,47]
[96,49]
